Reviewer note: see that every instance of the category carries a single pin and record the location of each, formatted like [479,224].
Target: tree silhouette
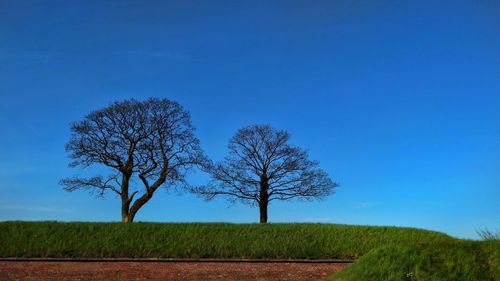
[261,167]
[149,143]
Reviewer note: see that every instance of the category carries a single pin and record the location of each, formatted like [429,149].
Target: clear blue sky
[398,100]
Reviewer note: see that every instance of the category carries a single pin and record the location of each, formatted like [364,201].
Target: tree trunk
[264,197]
[263,212]
[126,215]
[125,199]
[127,218]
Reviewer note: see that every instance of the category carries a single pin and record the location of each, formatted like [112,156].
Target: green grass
[487,234]
[437,261]
[382,253]
[201,240]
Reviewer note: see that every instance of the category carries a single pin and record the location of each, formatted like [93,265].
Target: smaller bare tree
[151,141]
[261,167]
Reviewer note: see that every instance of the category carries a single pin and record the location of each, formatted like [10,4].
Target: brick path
[183,271]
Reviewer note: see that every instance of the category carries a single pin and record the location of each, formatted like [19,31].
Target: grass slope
[202,240]
[442,261]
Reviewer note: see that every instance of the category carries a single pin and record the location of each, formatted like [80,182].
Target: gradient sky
[398,100]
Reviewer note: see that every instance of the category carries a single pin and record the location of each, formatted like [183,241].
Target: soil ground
[182,271]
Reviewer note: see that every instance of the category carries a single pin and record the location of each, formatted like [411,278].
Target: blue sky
[398,100]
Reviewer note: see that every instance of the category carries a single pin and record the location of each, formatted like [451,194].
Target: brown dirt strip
[170,270]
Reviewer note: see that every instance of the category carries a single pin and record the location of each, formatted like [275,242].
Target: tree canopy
[151,141]
[262,166]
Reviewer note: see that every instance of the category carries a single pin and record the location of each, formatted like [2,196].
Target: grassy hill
[441,261]
[381,253]
[201,240]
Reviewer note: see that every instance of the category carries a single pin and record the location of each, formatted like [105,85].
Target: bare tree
[149,143]
[261,167]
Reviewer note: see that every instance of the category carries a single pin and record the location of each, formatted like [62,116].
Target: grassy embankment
[442,261]
[201,240]
[385,253]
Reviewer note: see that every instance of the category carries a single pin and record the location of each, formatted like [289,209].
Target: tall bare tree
[142,143]
[261,167]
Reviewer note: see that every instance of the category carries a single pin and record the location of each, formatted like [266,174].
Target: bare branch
[93,184]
